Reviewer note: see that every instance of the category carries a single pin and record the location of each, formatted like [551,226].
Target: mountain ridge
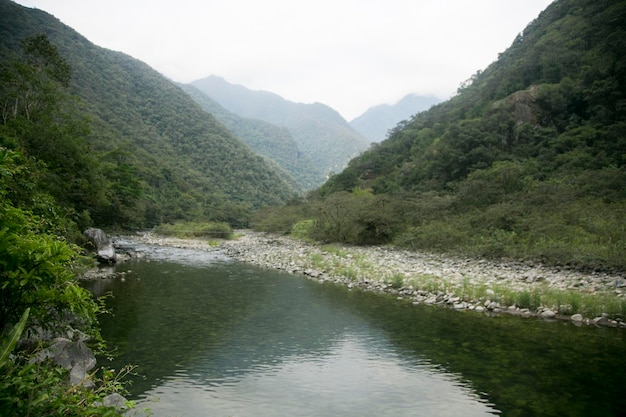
[189,164]
[321,133]
[376,121]
[269,140]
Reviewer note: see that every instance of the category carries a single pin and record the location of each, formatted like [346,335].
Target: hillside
[526,161]
[553,98]
[321,134]
[377,121]
[272,142]
[186,163]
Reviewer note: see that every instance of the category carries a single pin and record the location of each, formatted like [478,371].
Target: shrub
[303,229]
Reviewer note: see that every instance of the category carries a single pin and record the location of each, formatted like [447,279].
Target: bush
[31,389]
[36,283]
[303,229]
[276,219]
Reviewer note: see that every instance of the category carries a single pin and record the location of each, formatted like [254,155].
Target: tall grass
[195,230]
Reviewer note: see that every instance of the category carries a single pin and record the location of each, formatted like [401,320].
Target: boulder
[73,356]
[105,252]
[577,318]
[114,400]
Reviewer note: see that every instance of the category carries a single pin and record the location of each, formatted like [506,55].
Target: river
[214,337]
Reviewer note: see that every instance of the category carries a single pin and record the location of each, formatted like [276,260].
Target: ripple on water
[352,379]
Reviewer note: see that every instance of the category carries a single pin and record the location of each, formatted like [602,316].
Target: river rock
[577,318]
[114,400]
[105,252]
[71,355]
[431,300]
[600,321]
[371,266]
[548,314]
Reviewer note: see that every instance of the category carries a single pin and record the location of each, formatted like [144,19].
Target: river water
[215,337]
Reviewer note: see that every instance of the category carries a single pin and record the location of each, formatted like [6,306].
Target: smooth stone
[577,318]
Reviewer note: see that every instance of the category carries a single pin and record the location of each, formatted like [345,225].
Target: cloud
[348,54]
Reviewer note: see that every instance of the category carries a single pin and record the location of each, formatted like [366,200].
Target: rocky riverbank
[463,284]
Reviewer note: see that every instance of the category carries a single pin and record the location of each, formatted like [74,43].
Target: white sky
[348,54]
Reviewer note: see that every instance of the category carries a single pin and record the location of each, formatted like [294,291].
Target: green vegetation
[527,161]
[45,196]
[39,291]
[195,230]
[148,154]
[273,142]
[321,134]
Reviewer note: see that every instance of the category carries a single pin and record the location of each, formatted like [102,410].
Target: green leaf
[9,344]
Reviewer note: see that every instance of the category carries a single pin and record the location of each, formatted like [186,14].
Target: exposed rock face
[105,252]
[522,105]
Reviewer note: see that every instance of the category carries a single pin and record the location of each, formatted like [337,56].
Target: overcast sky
[348,54]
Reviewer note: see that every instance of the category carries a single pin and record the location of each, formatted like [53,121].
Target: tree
[41,120]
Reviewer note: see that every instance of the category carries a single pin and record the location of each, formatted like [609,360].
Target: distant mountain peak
[378,120]
[320,132]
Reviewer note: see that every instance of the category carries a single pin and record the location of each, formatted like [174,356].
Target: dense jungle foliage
[156,156]
[526,161]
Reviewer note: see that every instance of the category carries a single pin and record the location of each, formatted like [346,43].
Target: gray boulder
[73,356]
[114,400]
[105,252]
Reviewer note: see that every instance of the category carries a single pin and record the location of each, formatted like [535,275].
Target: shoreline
[476,285]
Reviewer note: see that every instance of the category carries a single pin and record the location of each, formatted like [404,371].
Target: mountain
[273,142]
[319,131]
[376,122]
[527,161]
[554,98]
[188,164]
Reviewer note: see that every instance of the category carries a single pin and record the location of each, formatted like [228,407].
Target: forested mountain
[376,122]
[271,141]
[552,105]
[320,132]
[161,157]
[526,161]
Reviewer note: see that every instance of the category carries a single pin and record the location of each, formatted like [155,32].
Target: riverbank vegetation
[41,300]
[358,266]
[218,230]
[45,173]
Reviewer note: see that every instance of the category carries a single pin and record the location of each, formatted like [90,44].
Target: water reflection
[350,380]
[222,338]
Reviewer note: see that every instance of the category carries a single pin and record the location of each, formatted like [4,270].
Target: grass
[343,261]
[195,230]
